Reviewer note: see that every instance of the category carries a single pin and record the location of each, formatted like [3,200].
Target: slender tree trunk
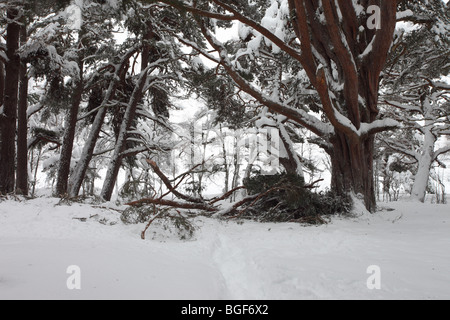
[425,162]
[149,54]
[22,125]
[237,167]
[225,163]
[76,180]
[79,173]
[2,90]
[116,161]
[2,82]
[9,117]
[69,135]
[291,163]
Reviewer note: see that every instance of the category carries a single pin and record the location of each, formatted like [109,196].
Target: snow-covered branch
[300,116]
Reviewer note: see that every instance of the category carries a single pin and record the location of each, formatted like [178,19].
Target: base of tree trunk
[352,170]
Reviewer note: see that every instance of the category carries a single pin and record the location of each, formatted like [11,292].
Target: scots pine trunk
[69,135]
[22,124]
[9,117]
[291,162]
[344,57]
[76,180]
[2,83]
[352,169]
[116,161]
[149,54]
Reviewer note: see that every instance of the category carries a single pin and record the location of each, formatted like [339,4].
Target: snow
[3,56]
[40,240]
[404,14]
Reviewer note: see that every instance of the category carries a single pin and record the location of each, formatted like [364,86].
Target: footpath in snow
[404,250]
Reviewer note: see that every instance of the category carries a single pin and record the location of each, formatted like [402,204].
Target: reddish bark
[9,117]
[22,124]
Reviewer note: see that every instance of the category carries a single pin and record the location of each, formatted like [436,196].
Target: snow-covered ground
[40,240]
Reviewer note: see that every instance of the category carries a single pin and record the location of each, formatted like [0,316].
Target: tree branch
[167,183]
[174,204]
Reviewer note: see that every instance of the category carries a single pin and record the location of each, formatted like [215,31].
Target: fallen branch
[312,185]
[226,195]
[259,196]
[181,177]
[150,222]
[167,183]
[174,204]
[236,206]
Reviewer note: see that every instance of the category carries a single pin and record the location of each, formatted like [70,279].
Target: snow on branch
[441,151]
[411,108]
[300,116]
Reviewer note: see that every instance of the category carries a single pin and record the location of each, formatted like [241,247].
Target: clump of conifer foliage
[166,222]
[286,198]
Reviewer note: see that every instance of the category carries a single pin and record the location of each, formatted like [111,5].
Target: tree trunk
[352,169]
[2,82]
[69,135]
[149,54]
[76,180]
[116,161]
[291,162]
[22,125]
[225,163]
[425,161]
[9,117]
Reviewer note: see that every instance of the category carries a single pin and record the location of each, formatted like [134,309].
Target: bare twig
[167,183]
[150,222]
[226,195]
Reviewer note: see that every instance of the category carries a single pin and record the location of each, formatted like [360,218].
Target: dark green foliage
[262,183]
[160,102]
[135,215]
[286,198]
[220,95]
[46,7]
[42,137]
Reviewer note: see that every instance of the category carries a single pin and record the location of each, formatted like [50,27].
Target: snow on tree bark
[69,135]
[116,161]
[80,170]
[425,162]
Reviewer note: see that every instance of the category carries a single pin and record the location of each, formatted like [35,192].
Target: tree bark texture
[9,117]
[149,55]
[69,135]
[22,124]
[79,174]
